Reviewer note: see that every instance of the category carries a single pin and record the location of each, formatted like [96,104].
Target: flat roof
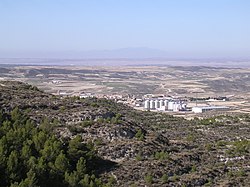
[211,107]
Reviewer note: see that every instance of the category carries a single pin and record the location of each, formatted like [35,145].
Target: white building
[152,104]
[157,104]
[86,95]
[201,109]
[171,105]
[147,105]
[176,107]
[161,103]
[164,104]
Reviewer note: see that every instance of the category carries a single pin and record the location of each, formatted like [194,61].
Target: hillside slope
[145,148]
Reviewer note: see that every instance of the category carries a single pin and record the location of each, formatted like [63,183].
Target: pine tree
[61,163]
[30,181]
[76,149]
[72,179]
[1,117]
[26,152]
[12,165]
[15,114]
[81,167]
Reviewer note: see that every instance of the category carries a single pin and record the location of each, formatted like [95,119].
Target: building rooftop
[211,107]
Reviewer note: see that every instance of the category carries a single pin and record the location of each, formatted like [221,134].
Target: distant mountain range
[138,52]
[122,56]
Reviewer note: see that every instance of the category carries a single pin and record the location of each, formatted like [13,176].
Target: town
[159,102]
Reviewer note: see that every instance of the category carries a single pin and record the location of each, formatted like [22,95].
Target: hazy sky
[182,28]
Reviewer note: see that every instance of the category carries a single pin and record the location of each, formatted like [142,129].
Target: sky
[173,28]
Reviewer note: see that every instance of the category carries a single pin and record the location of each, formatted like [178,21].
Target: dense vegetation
[31,156]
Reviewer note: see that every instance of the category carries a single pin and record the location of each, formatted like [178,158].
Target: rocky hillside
[146,148]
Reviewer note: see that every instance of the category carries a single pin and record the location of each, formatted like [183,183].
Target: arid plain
[176,81]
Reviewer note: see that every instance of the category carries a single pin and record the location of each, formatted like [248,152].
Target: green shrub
[111,181]
[161,155]
[164,178]
[139,157]
[87,123]
[175,178]
[98,141]
[139,135]
[191,137]
[148,179]
[193,169]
